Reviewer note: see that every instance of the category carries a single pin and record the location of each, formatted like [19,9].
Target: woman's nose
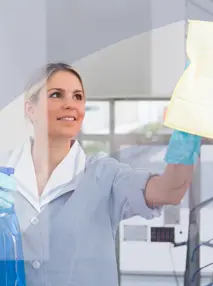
[69,102]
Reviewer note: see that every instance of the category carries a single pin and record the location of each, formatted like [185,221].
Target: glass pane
[145,117]
[96,120]
[93,147]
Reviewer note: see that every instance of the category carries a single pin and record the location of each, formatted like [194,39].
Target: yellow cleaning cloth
[191,105]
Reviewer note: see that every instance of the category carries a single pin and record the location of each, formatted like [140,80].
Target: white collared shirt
[71,166]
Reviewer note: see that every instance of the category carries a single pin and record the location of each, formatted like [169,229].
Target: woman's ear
[30,111]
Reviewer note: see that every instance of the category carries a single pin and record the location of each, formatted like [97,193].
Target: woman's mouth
[67,118]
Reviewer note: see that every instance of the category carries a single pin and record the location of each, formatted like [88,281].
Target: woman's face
[60,108]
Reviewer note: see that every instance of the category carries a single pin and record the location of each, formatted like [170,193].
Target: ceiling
[34,33]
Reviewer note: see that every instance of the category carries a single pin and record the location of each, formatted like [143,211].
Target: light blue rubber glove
[7,187]
[183,148]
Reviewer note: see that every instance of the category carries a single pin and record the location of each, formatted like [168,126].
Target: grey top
[72,241]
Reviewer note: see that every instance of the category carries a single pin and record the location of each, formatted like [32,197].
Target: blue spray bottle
[11,253]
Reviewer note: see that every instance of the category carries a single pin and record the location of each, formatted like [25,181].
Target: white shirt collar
[67,172]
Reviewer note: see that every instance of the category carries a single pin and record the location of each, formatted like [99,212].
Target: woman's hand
[184,148]
[181,156]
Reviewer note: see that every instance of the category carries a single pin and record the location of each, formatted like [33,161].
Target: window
[145,117]
[96,119]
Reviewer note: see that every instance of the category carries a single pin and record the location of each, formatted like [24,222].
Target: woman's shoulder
[98,158]
[101,161]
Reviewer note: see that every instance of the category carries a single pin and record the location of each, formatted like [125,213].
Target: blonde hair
[38,82]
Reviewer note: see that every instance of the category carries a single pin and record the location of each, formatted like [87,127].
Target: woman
[69,206]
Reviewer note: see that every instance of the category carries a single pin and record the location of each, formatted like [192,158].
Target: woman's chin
[63,135]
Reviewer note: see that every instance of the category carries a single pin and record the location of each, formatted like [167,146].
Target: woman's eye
[78,96]
[55,94]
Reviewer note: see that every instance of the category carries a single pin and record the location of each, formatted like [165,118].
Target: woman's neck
[47,154]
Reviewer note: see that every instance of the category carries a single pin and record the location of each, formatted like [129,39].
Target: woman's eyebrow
[56,88]
[78,90]
[63,90]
